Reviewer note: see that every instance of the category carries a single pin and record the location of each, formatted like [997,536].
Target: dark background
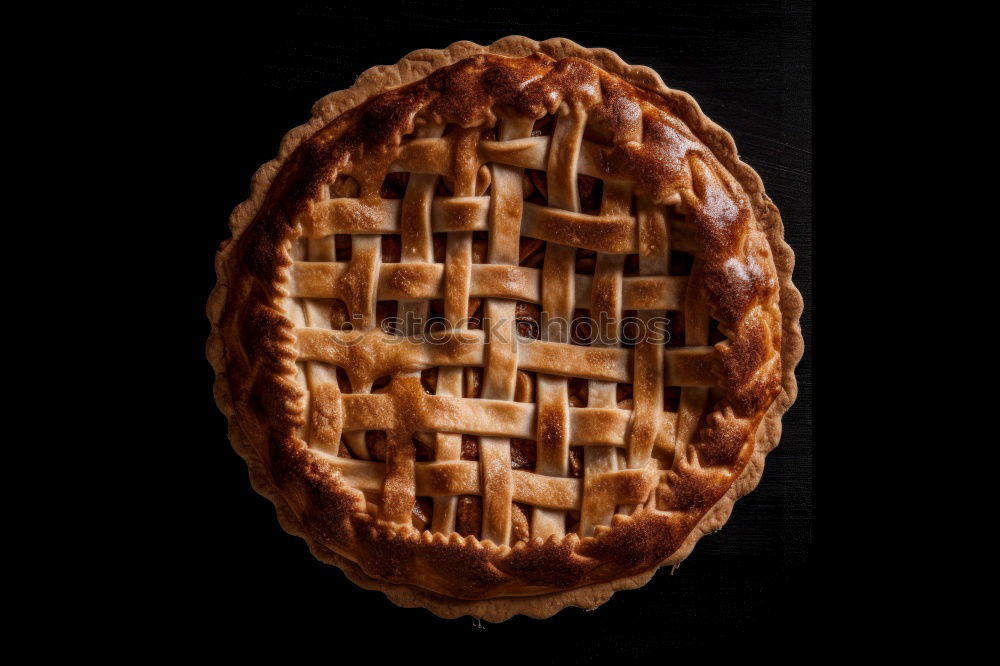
[235,83]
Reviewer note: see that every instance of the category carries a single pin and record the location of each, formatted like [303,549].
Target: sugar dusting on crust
[669,160]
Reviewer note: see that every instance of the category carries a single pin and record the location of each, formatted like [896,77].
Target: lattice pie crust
[387,337]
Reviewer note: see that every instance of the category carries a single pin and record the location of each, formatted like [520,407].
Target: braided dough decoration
[355,463]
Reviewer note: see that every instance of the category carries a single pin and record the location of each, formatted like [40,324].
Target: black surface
[239,84]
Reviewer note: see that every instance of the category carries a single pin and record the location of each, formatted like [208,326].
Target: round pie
[503,329]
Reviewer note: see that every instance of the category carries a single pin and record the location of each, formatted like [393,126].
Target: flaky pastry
[397,340]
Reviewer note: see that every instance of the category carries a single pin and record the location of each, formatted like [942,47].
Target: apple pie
[504,329]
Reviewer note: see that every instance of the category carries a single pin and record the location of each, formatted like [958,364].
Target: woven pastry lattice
[468,185]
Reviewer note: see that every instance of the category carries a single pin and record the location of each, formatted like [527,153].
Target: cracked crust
[253,353]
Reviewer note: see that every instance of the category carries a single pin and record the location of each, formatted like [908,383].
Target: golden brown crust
[254,352]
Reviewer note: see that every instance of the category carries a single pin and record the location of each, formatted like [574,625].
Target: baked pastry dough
[394,338]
